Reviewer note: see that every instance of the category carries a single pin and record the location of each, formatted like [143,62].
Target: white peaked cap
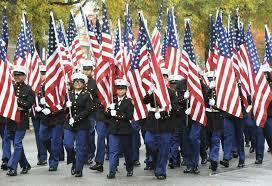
[79,75]
[42,68]
[121,82]
[175,78]
[165,71]
[210,74]
[17,68]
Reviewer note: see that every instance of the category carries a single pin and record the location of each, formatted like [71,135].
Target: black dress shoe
[225,163]
[268,150]
[251,150]
[78,174]
[171,165]
[98,167]
[42,162]
[195,170]
[25,169]
[234,154]
[129,173]
[241,164]
[213,165]
[247,145]
[90,161]
[188,170]
[12,172]
[259,162]
[149,168]
[162,177]
[73,169]
[204,161]
[137,163]
[4,166]
[52,169]
[111,175]
[183,163]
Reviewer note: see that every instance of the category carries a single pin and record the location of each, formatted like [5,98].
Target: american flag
[4,35]
[172,58]
[268,47]
[9,107]
[34,76]
[236,43]
[73,41]
[22,53]
[197,103]
[104,62]
[55,86]
[97,31]
[227,92]
[95,46]
[118,52]
[136,90]
[262,93]
[212,57]
[163,48]
[156,36]
[128,42]
[161,92]
[64,50]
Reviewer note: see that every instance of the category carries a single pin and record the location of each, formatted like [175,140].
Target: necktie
[76,95]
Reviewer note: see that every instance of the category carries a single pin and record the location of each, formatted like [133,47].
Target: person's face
[19,77]
[173,86]
[43,76]
[121,92]
[88,72]
[78,84]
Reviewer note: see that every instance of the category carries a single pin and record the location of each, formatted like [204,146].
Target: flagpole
[65,75]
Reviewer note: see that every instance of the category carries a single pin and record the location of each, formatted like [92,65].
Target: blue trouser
[203,143]
[102,130]
[18,155]
[51,137]
[91,139]
[192,144]
[42,153]
[6,143]
[234,129]
[174,155]
[76,153]
[159,145]
[136,140]
[148,157]
[117,142]
[260,135]
[214,142]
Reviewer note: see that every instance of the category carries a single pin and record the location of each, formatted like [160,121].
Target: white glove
[151,89]
[157,115]
[42,101]
[71,121]
[112,106]
[38,109]
[186,94]
[46,111]
[211,102]
[188,111]
[68,104]
[212,85]
[113,113]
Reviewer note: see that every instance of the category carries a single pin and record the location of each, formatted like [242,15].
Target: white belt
[211,110]
[155,109]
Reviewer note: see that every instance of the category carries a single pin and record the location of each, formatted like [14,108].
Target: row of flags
[232,54]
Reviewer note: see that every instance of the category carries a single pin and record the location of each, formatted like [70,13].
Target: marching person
[234,132]
[51,131]
[120,130]
[262,133]
[91,87]
[158,131]
[215,121]
[77,127]
[6,143]
[16,131]
[36,120]
[178,117]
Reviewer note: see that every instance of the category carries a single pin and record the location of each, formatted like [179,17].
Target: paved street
[250,175]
